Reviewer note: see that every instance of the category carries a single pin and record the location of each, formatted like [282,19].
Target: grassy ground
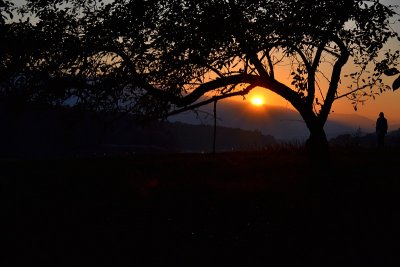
[273,208]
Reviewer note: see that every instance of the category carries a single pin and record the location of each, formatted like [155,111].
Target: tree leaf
[391,72]
[396,84]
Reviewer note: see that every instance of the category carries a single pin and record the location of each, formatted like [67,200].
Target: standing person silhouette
[381,129]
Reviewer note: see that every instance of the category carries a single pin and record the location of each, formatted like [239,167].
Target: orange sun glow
[257,101]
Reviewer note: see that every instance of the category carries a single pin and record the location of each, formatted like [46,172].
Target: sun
[257,101]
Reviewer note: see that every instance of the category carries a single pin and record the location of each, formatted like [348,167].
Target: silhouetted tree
[160,57]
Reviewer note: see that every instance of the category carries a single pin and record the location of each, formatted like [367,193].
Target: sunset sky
[388,102]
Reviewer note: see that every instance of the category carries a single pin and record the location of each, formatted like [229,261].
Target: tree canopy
[154,58]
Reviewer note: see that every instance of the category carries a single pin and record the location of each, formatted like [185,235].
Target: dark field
[274,208]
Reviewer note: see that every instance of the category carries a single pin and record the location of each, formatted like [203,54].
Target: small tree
[166,56]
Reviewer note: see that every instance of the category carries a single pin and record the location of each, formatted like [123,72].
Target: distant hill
[394,127]
[360,139]
[280,122]
[348,124]
[37,132]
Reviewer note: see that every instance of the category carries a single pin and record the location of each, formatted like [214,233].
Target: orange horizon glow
[387,102]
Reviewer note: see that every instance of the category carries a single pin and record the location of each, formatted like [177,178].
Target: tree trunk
[317,143]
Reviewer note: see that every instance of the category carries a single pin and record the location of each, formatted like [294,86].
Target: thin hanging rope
[215,125]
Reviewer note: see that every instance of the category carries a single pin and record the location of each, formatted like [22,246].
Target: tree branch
[335,77]
[355,90]
[196,93]
[215,98]
[271,65]
[258,65]
[311,74]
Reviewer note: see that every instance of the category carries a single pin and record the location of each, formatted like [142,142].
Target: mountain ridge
[281,122]
[37,133]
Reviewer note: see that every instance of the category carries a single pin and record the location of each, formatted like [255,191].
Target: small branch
[335,77]
[258,65]
[271,65]
[215,98]
[311,74]
[353,91]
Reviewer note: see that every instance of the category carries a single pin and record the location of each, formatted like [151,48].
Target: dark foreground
[236,209]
